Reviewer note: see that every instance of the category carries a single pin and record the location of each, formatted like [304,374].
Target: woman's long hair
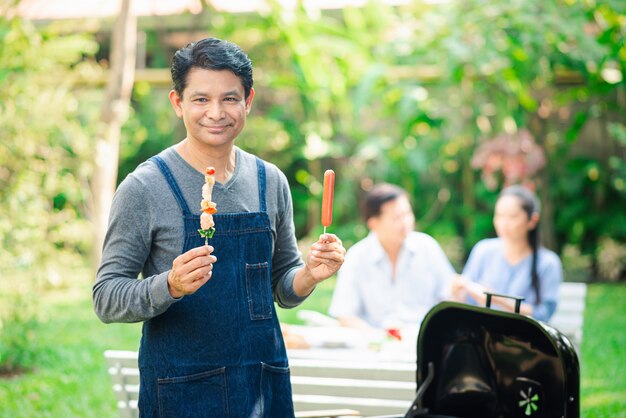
[531,205]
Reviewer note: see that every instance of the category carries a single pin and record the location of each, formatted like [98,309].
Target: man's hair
[377,197]
[211,54]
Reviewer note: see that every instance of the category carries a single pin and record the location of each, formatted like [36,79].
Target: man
[211,343]
[391,278]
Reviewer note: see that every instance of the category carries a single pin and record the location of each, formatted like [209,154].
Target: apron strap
[172,183]
[261,170]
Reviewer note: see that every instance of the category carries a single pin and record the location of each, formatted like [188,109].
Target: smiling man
[211,344]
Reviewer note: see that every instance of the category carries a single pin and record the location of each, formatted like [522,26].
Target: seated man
[392,277]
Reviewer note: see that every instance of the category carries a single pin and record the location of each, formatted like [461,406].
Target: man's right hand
[190,271]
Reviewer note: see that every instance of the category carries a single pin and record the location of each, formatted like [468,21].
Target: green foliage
[44,162]
[399,94]
[408,94]
[151,127]
[611,259]
[500,62]
[346,93]
[45,151]
[576,266]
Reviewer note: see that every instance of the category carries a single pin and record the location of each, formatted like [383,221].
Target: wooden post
[114,112]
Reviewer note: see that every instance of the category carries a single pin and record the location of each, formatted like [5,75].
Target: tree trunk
[113,114]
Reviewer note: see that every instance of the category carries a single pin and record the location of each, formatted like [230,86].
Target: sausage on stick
[327,198]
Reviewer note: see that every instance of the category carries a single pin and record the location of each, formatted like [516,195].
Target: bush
[611,259]
[576,266]
[18,327]
[44,159]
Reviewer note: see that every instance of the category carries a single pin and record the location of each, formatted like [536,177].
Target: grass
[603,382]
[71,378]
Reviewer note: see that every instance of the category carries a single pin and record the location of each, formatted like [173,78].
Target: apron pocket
[259,290]
[197,395]
[276,400]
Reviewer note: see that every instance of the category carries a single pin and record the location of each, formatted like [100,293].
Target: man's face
[213,107]
[395,222]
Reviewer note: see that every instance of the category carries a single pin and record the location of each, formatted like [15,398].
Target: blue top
[487,266]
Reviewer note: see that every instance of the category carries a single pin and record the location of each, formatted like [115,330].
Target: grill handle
[518,300]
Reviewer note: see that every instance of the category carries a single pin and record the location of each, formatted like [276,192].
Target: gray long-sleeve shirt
[146,233]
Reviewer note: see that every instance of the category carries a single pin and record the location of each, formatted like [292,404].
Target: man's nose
[214,110]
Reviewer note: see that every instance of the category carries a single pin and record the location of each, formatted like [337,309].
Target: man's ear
[534,220]
[176,100]
[249,100]
[372,223]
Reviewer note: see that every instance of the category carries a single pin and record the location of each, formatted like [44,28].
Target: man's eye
[201,100]
[230,99]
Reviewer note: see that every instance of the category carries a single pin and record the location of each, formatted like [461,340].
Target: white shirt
[365,287]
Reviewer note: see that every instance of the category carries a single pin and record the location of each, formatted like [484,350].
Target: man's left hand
[326,257]
[324,260]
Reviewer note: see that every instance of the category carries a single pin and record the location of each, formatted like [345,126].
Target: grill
[477,362]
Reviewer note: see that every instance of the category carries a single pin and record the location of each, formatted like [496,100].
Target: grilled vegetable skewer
[207,225]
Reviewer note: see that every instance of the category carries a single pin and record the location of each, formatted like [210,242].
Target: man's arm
[293,280]
[118,294]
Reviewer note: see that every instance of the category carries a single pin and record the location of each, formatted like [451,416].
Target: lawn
[603,385]
[71,379]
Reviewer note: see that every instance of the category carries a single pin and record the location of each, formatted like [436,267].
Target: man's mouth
[215,128]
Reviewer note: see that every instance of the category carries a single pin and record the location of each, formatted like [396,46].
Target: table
[346,368]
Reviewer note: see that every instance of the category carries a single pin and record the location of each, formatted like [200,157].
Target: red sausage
[327,198]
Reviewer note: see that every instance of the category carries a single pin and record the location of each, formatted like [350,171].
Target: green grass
[71,378]
[603,382]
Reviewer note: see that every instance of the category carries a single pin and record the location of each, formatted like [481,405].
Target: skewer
[208,206]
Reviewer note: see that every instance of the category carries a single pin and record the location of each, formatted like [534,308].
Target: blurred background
[449,99]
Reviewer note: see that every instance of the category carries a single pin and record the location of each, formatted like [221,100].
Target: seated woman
[513,263]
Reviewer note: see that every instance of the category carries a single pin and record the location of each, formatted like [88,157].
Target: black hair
[377,197]
[530,204]
[211,54]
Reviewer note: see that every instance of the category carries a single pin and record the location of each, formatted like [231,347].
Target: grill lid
[480,362]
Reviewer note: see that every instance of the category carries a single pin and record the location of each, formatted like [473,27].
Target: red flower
[518,157]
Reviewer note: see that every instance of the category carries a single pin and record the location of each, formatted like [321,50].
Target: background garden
[451,100]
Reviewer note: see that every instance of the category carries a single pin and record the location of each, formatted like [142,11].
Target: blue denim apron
[219,352]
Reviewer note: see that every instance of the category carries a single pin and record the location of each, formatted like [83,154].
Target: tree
[113,114]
